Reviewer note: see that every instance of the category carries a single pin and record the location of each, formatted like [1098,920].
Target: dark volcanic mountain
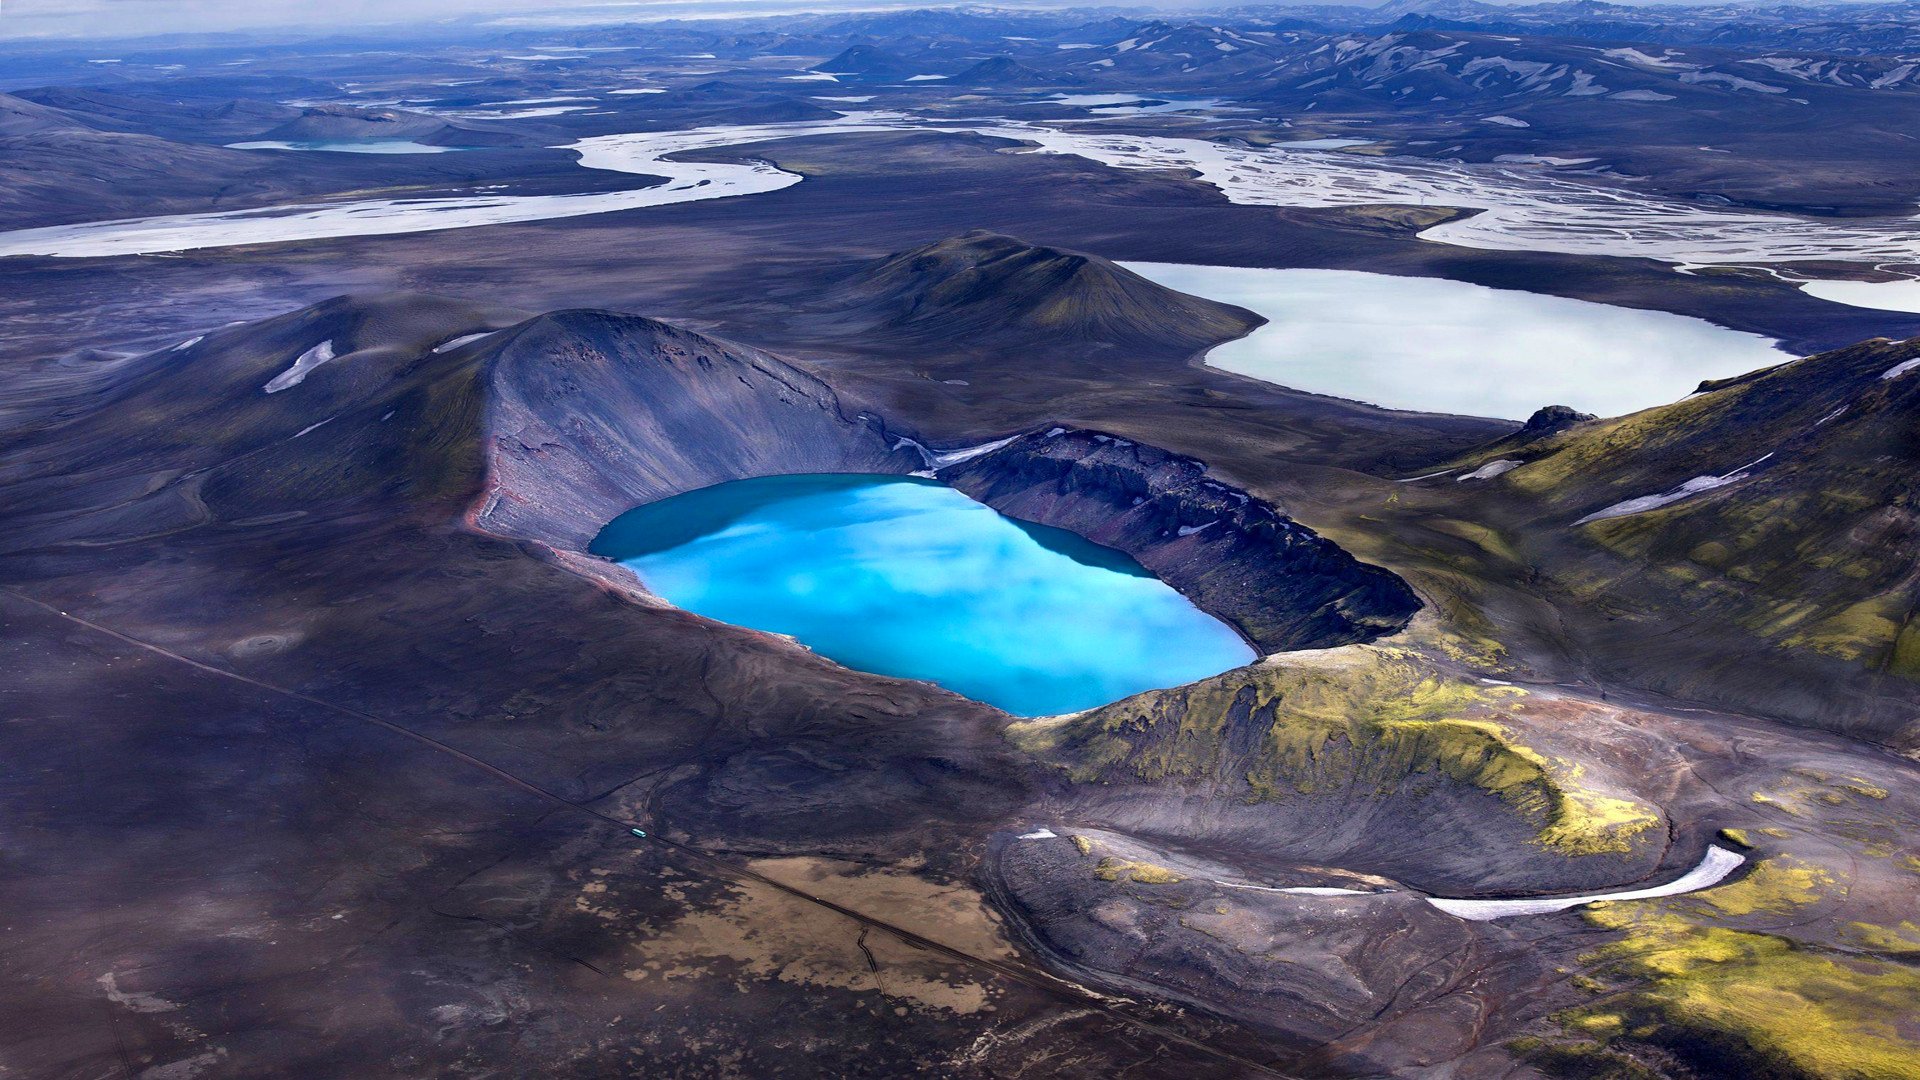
[1000,71]
[865,59]
[777,111]
[983,286]
[329,122]
[19,116]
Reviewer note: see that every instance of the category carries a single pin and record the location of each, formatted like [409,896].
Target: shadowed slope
[1281,585]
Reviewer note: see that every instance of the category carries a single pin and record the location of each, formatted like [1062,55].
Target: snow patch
[1732,82]
[1491,469]
[955,457]
[464,339]
[1673,495]
[305,363]
[1713,869]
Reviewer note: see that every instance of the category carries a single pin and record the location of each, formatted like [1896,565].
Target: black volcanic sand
[254,884]
[189,821]
[411,565]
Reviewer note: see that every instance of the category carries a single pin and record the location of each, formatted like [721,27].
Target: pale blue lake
[1437,345]
[910,578]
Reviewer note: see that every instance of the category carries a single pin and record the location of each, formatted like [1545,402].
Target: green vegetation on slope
[1327,722]
[1733,1001]
[1807,551]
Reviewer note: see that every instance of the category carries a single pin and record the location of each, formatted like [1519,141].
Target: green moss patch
[1380,720]
[1737,1002]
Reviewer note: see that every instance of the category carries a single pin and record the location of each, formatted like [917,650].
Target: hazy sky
[130,18]
[126,18]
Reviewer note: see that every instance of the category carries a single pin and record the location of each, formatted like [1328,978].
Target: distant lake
[1448,346]
[350,146]
[907,577]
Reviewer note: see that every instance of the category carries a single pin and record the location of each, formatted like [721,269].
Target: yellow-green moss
[1865,628]
[1580,453]
[1144,873]
[1902,940]
[1784,1011]
[1082,844]
[1361,717]
[1756,998]
[1736,836]
[1774,886]
[1486,539]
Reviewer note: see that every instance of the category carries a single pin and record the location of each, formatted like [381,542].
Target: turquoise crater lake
[907,577]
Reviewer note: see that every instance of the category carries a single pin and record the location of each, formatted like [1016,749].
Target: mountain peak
[983,284]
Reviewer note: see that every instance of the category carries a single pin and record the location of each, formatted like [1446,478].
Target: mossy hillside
[1733,1001]
[1567,465]
[1378,720]
[1458,570]
[1808,552]
[1643,452]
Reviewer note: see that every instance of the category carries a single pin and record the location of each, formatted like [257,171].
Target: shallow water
[910,578]
[1447,346]
[1522,208]
[1879,295]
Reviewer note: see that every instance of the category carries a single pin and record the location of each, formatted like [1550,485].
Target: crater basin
[907,577]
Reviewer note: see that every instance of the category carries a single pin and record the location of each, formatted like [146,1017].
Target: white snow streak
[1713,869]
[1673,495]
[1492,469]
[297,374]
[464,339]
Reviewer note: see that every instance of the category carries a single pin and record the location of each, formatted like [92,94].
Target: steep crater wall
[588,414]
[1280,584]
